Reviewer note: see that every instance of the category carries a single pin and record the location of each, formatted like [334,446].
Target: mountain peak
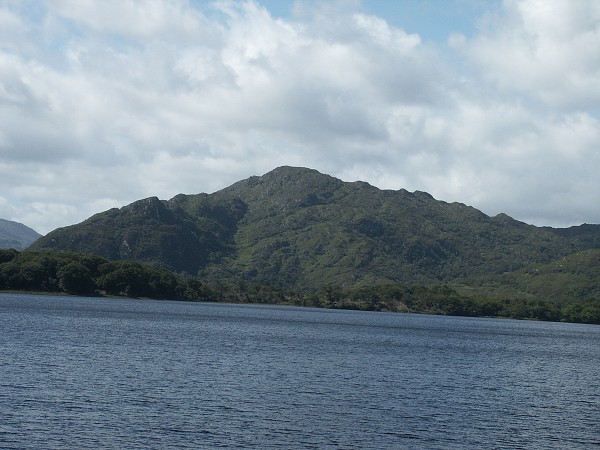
[289,176]
[283,171]
[283,188]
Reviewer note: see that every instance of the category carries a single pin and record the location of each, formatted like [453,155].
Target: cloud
[543,50]
[103,103]
[13,29]
[138,19]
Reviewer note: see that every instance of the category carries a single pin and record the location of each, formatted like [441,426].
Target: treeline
[444,300]
[84,274]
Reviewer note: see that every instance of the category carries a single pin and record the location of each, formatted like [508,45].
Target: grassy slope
[575,277]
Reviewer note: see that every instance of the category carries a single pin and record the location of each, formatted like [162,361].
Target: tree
[7,255]
[75,278]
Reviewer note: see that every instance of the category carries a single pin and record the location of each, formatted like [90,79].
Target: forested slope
[297,228]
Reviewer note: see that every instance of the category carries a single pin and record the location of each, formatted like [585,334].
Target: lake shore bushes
[89,275]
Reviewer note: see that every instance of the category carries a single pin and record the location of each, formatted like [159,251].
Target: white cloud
[134,18]
[13,28]
[546,50]
[103,103]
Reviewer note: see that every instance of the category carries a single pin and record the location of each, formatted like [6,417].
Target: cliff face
[296,227]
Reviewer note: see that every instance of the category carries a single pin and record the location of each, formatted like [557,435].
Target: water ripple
[99,373]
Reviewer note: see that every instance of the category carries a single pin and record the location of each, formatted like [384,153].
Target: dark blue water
[103,373]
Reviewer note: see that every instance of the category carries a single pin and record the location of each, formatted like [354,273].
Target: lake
[92,373]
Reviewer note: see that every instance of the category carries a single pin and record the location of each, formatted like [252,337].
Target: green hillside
[299,229]
[571,279]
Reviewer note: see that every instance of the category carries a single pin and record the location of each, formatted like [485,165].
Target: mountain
[297,228]
[584,236]
[576,276]
[16,235]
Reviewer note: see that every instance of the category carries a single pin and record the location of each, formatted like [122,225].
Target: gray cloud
[102,103]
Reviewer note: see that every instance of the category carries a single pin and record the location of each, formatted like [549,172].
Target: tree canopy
[85,274]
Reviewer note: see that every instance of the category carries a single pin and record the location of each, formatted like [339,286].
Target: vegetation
[573,278]
[298,229]
[85,274]
[300,237]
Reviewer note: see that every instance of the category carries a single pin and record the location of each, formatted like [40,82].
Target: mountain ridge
[298,228]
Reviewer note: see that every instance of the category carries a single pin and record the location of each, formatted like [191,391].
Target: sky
[495,104]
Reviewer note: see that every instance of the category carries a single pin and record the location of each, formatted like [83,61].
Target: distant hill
[16,235]
[297,228]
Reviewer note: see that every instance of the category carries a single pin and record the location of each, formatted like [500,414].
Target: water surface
[106,373]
